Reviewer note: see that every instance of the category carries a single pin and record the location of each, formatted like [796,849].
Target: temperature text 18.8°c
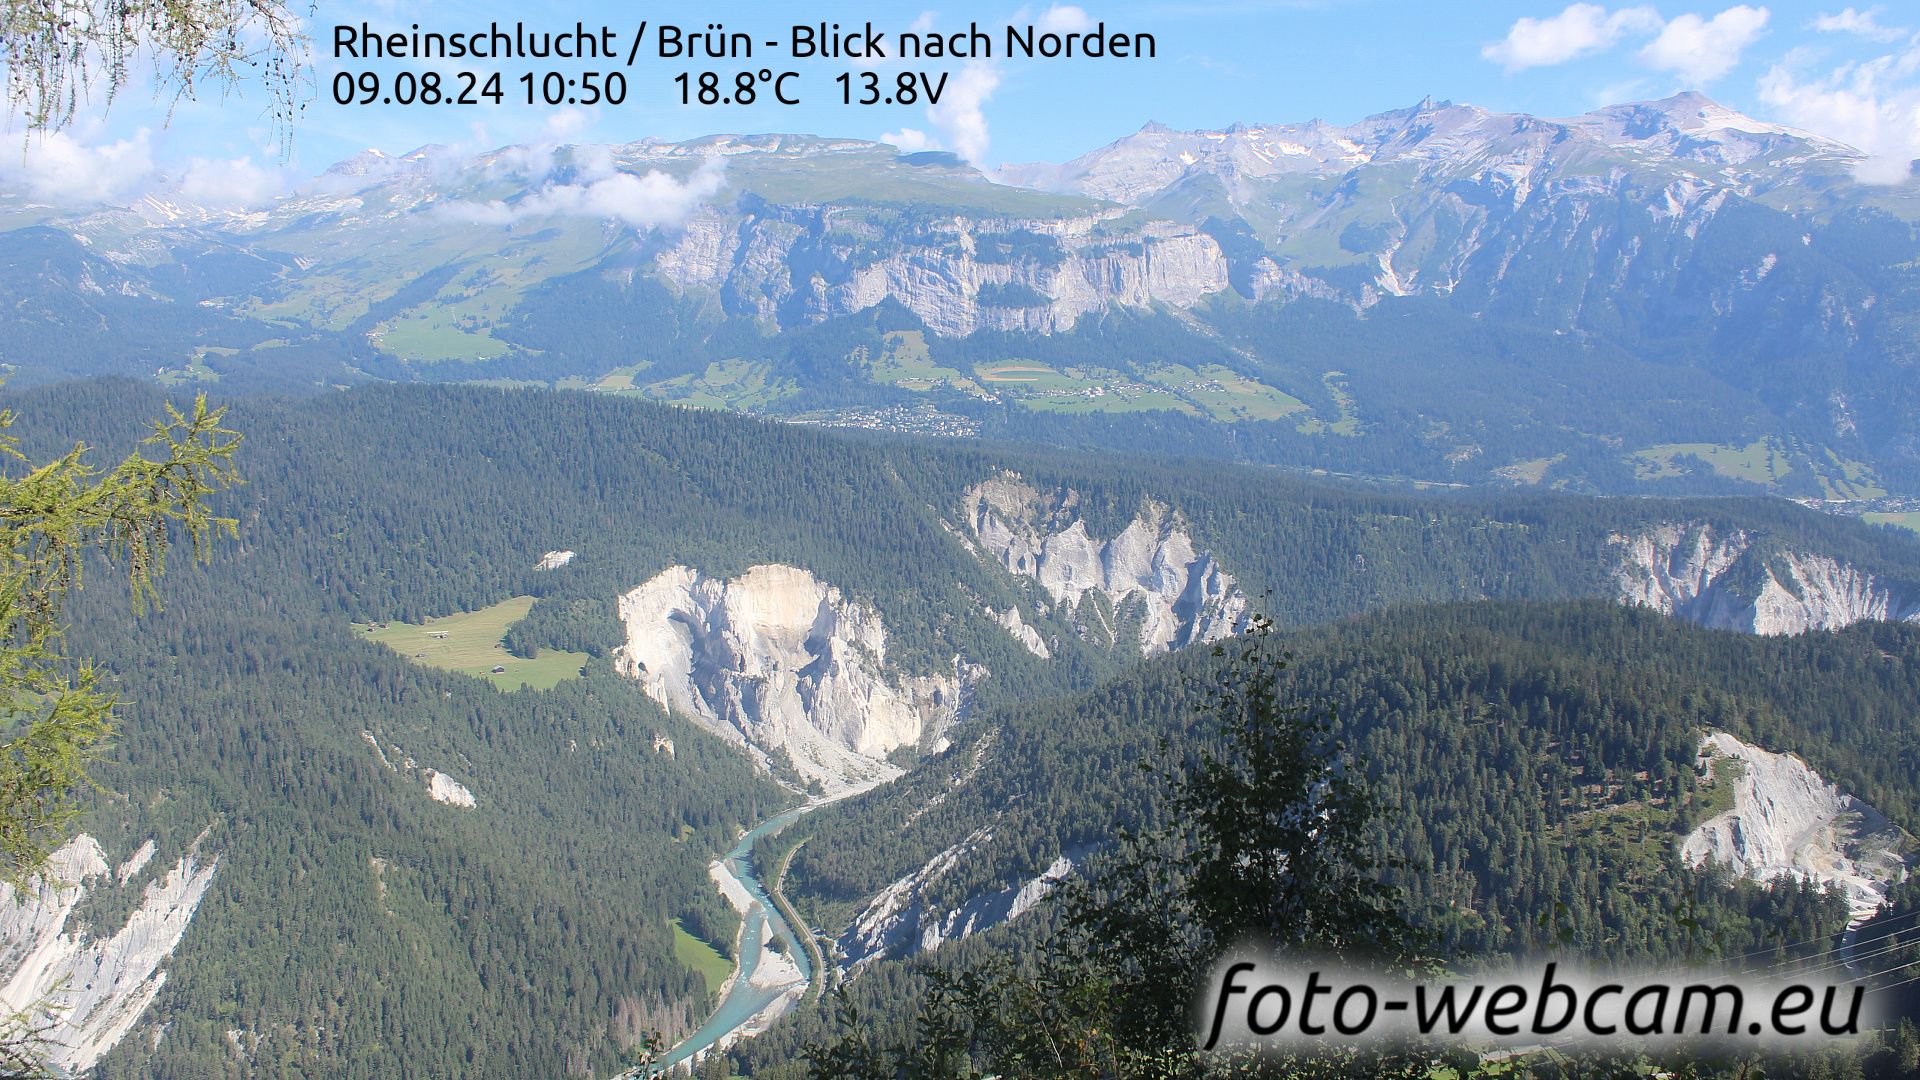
[767,86]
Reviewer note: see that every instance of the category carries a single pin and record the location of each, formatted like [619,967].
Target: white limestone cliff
[1789,821]
[779,661]
[554,560]
[440,787]
[1725,581]
[898,922]
[89,991]
[1152,570]
[1016,625]
[1090,264]
[445,789]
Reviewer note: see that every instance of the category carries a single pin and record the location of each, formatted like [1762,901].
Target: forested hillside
[405,502]
[1534,767]
[358,925]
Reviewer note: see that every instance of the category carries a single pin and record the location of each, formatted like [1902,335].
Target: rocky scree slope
[1787,820]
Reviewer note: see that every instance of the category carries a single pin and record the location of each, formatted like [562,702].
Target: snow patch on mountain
[1152,572]
[1788,821]
[780,662]
[90,991]
[1729,581]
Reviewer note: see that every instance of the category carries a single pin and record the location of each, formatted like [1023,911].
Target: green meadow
[469,643]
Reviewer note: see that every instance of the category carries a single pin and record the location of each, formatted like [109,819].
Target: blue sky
[1849,72]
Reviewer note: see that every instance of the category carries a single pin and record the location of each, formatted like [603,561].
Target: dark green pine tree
[1269,844]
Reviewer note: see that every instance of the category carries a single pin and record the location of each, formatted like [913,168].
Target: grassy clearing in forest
[696,955]
[468,642]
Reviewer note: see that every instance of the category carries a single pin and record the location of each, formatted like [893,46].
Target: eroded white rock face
[779,661]
[897,921]
[554,560]
[1152,570]
[444,788]
[1724,581]
[1789,821]
[135,863]
[440,787]
[90,990]
[1016,625]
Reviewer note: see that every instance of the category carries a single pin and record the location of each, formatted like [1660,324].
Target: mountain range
[1664,296]
[608,507]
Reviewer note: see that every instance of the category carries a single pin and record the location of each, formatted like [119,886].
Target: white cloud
[910,140]
[961,115]
[1057,19]
[1698,48]
[532,159]
[236,184]
[1873,106]
[1065,19]
[561,126]
[1701,50]
[643,202]
[960,118]
[651,201]
[62,169]
[494,212]
[1575,32]
[1864,24]
[1613,93]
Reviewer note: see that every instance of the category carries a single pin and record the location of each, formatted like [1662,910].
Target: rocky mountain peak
[365,163]
[1686,129]
[1693,127]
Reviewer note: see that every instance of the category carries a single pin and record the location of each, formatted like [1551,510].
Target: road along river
[764,984]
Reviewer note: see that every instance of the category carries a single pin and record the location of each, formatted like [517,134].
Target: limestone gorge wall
[959,275]
[779,661]
[89,989]
[1789,821]
[1152,572]
[1724,579]
[900,921]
